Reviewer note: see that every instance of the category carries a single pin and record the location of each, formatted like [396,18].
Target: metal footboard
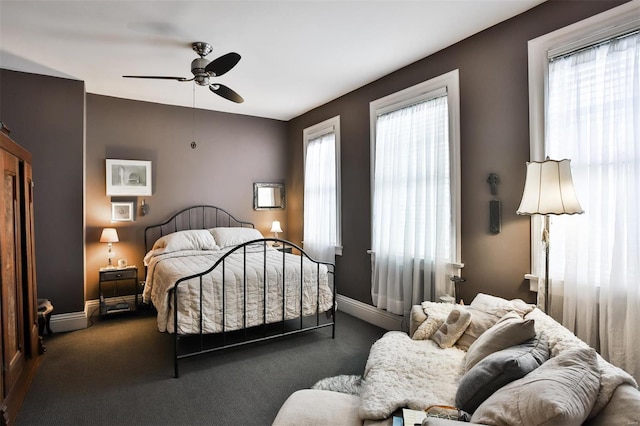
[189,345]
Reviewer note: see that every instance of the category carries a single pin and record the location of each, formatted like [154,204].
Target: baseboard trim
[73,321]
[68,322]
[78,320]
[369,313]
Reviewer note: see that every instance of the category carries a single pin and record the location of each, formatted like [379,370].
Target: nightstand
[111,278]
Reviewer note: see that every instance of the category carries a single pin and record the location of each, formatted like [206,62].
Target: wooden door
[10,254]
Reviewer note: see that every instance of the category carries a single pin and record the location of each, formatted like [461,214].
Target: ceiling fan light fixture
[202,80]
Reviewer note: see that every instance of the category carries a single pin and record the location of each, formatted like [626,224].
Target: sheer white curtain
[320,212]
[593,118]
[412,215]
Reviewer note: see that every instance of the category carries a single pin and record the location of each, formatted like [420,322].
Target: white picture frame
[122,211]
[128,177]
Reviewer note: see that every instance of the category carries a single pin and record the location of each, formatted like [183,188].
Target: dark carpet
[120,372]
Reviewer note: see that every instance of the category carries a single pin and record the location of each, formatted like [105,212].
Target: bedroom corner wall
[494,139]
[233,151]
[45,115]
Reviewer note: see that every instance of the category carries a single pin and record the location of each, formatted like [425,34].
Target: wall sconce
[110,236]
[275,228]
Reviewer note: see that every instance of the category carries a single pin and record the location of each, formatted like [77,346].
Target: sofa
[501,362]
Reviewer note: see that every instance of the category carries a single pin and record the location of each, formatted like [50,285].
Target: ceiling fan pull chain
[193,118]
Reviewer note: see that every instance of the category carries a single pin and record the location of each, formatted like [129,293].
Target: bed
[208,275]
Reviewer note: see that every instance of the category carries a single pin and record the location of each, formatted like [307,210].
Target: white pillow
[194,239]
[436,314]
[500,306]
[451,330]
[226,237]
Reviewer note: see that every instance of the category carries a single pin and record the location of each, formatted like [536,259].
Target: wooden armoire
[18,301]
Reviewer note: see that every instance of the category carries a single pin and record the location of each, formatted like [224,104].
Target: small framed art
[122,212]
[128,177]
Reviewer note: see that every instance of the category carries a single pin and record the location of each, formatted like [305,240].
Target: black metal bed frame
[205,217]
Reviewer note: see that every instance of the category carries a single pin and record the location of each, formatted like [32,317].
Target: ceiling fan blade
[225,92]
[158,77]
[223,64]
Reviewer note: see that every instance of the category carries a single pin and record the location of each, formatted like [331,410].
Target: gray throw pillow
[498,369]
[509,331]
[561,391]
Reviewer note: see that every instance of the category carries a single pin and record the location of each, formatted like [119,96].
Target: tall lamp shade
[109,235]
[548,190]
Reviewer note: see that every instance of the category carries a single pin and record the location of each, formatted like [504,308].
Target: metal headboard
[194,217]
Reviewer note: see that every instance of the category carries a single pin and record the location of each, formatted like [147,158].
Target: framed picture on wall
[128,177]
[122,212]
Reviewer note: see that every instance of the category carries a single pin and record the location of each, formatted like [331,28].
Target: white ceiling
[296,55]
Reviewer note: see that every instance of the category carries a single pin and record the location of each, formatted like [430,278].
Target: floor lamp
[548,189]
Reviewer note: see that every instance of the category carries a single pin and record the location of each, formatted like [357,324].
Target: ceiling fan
[203,70]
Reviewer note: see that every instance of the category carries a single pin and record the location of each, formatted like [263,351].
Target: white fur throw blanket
[402,372]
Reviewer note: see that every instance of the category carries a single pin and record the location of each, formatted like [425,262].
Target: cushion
[194,239]
[560,392]
[226,237]
[451,330]
[417,317]
[509,331]
[622,409]
[500,306]
[319,407]
[498,369]
[436,314]
[427,328]
[481,321]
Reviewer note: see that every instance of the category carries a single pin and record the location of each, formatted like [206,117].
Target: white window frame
[446,83]
[313,132]
[595,29]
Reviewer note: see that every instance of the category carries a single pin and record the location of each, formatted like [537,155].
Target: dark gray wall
[494,139]
[232,152]
[45,115]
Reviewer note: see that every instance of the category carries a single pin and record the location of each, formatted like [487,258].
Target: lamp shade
[275,226]
[109,235]
[548,189]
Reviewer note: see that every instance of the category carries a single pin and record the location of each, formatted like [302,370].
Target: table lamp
[275,228]
[110,236]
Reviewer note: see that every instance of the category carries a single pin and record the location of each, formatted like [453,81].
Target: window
[322,233]
[588,111]
[415,192]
